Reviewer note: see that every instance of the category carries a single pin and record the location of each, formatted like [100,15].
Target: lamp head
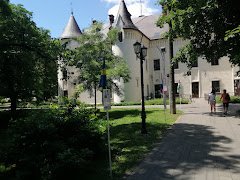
[137,47]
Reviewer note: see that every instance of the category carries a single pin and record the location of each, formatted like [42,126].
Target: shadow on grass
[120,113]
[188,148]
[129,146]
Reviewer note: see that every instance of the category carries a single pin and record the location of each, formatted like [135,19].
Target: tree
[208,25]
[4,7]
[28,58]
[94,49]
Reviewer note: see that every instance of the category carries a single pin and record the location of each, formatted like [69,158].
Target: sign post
[179,92]
[107,106]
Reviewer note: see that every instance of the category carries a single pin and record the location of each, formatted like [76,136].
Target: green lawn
[128,145]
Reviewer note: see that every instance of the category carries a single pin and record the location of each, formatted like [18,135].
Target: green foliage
[129,103]
[232,33]
[128,145]
[234,99]
[206,24]
[52,145]
[28,58]
[157,101]
[4,7]
[186,55]
[88,57]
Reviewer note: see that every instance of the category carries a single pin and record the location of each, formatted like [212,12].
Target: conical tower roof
[124,17]
[72,29]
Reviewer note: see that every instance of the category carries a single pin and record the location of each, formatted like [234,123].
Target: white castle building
[196,83]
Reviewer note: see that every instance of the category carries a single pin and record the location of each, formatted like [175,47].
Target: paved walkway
[200,146]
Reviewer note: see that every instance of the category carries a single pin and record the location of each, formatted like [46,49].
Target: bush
[52,144]
[234,99]
[157,101]
[129,103]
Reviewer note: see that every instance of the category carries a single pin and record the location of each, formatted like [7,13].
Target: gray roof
[147,25]
[124,17]
[72,29]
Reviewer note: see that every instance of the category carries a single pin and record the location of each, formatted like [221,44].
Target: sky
[54,14]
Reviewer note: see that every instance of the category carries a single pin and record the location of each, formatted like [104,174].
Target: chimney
[111,20]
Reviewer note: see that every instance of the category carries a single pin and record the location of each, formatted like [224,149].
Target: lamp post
[141,53]
[163,51]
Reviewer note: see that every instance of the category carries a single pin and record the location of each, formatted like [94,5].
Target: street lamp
[141,53]
[163,51]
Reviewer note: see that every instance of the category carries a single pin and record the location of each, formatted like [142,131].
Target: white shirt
[212,97]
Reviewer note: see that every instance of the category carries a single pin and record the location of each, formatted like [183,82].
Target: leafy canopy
[28,57]
[211,26]
[94,48]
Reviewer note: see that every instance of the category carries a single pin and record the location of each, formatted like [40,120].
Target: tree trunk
[95,99]
[171,74]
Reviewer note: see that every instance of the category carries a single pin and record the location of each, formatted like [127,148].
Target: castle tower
[67,76]
[128,35]
[123,19]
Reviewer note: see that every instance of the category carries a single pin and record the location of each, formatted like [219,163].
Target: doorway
[195,89]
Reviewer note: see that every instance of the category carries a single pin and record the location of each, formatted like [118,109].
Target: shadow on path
[187,150]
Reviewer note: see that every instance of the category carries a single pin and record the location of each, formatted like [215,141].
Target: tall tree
[205,24]
[4,7]
[27,53]
[95,47]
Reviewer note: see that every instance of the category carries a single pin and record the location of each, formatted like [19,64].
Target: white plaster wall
[72,80]
[132,89]
[158,76]
[204,73]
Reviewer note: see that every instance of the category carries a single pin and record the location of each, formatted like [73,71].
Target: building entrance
[195,89]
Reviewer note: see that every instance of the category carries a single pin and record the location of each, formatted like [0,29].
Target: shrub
[48,143]
[234,99]
[159,101]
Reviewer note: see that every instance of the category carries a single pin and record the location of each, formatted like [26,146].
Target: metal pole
[109,146]
[164,83]
[143,114]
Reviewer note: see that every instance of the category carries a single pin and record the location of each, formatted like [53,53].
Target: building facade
[197,82]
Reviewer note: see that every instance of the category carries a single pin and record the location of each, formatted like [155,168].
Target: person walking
[212,100]
[225,97]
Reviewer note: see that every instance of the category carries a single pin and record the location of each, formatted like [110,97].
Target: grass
[128,145]
[157,101]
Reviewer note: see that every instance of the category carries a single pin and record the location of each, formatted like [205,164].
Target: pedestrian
[225,97]
[212,100]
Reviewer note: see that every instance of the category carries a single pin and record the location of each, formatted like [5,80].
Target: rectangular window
[158,90]
[156,64]
[65,74]
[175,65]
[65,93]
[215,62]
[120,36]
[175,89]
[216,86]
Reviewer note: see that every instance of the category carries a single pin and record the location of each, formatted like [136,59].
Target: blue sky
[54,14]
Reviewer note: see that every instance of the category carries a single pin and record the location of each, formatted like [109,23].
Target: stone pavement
[200,146]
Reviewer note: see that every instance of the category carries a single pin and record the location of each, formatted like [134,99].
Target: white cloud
[134,7]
